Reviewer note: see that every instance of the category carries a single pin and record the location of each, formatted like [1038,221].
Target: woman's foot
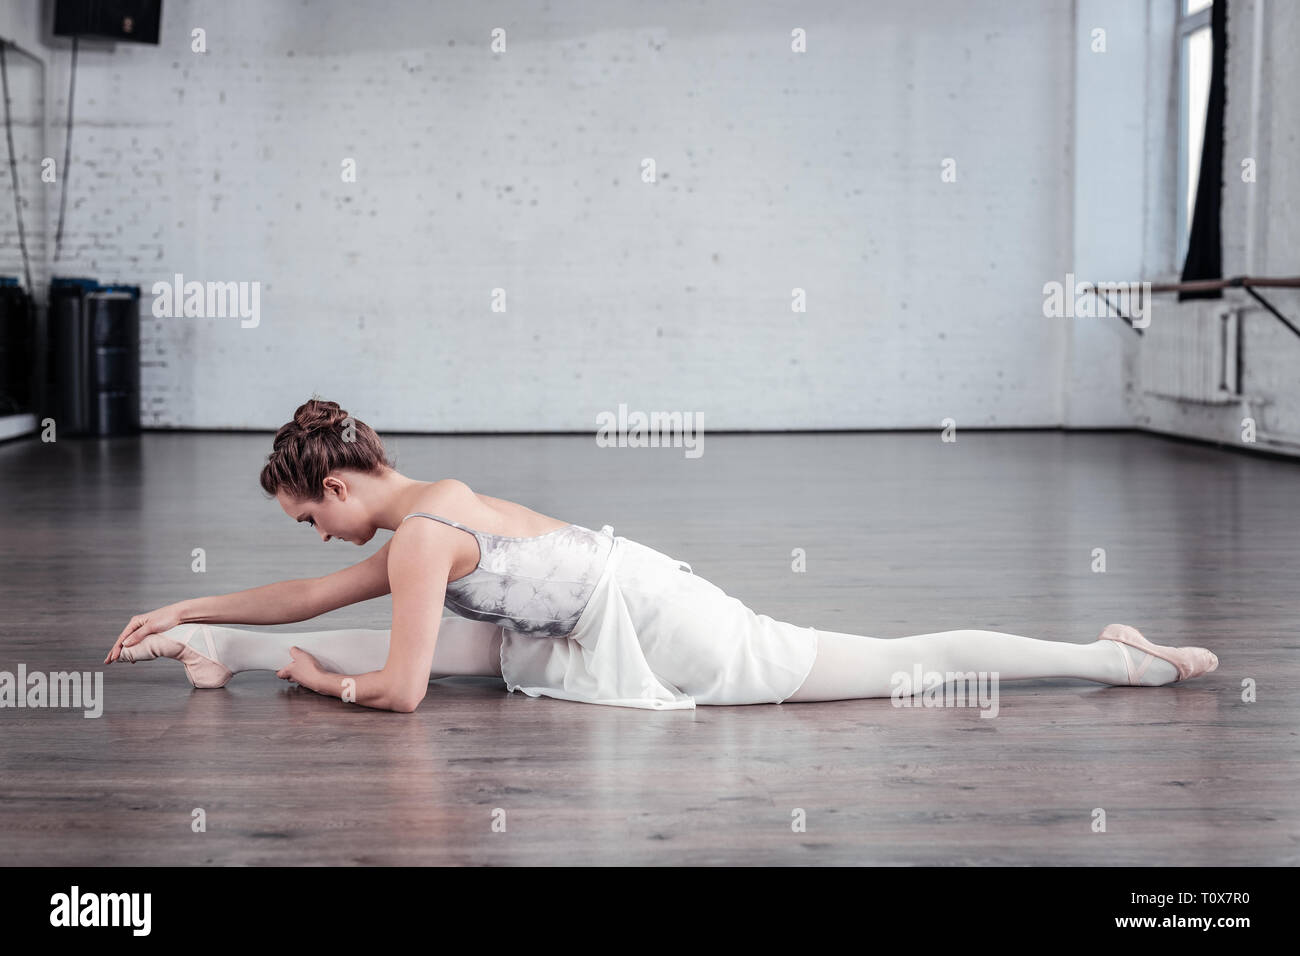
[1161,664]
[203,670]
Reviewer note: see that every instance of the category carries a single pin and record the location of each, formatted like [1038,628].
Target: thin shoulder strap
[454,524]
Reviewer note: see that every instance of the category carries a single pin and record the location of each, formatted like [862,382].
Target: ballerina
[554,609]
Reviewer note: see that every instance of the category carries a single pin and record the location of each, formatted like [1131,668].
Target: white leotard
[537,586]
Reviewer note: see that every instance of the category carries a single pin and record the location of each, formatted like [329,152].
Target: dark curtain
[1204,244]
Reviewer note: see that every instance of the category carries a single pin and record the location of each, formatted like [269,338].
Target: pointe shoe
[1188,661]
[202,671]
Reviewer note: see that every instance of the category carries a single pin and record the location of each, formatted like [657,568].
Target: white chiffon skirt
[657,636]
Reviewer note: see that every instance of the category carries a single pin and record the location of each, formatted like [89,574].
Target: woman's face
[339,514]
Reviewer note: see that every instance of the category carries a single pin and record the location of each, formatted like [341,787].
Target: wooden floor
[904,534]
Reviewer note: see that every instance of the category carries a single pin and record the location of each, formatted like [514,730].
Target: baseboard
[15,426]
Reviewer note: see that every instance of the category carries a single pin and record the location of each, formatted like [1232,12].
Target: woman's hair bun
[305,450]
[316,414]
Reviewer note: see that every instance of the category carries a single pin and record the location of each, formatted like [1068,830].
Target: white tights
[464,648]
[848,666]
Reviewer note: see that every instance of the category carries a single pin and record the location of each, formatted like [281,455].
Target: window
[1194,50]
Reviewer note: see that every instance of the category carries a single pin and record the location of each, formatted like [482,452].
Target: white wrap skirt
[657,636]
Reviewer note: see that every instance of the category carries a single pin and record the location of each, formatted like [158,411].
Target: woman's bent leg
[851,666]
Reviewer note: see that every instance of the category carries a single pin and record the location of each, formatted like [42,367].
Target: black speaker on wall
[131,21]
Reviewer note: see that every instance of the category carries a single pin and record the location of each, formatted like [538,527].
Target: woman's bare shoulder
[455,499]
[447,498]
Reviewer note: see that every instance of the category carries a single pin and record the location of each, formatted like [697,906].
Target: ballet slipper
[1188,661]
[202,671]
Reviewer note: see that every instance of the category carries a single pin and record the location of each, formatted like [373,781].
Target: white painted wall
[521,170]
[1109,181]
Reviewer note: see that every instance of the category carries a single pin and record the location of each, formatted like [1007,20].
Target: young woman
[555,609]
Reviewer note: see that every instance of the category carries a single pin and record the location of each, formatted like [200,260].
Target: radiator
[1190,354]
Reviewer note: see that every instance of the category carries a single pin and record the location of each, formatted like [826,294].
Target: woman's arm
[419,565]
[281,603]
[287,602]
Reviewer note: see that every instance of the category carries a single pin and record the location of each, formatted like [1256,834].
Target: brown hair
[317,442]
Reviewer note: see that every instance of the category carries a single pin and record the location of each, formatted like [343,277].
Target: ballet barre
[1248,283]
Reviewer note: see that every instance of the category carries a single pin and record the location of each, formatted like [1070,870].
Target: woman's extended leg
[465,648]
[851,666]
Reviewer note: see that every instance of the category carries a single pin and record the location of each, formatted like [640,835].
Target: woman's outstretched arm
[287,602]
[284,602]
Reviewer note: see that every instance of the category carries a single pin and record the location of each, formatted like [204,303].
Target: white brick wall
[521,170]
[28,74]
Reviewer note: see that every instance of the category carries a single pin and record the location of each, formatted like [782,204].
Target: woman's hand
[142,625]
[303,668]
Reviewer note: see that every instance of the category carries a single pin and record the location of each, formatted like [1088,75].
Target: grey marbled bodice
[537,586]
